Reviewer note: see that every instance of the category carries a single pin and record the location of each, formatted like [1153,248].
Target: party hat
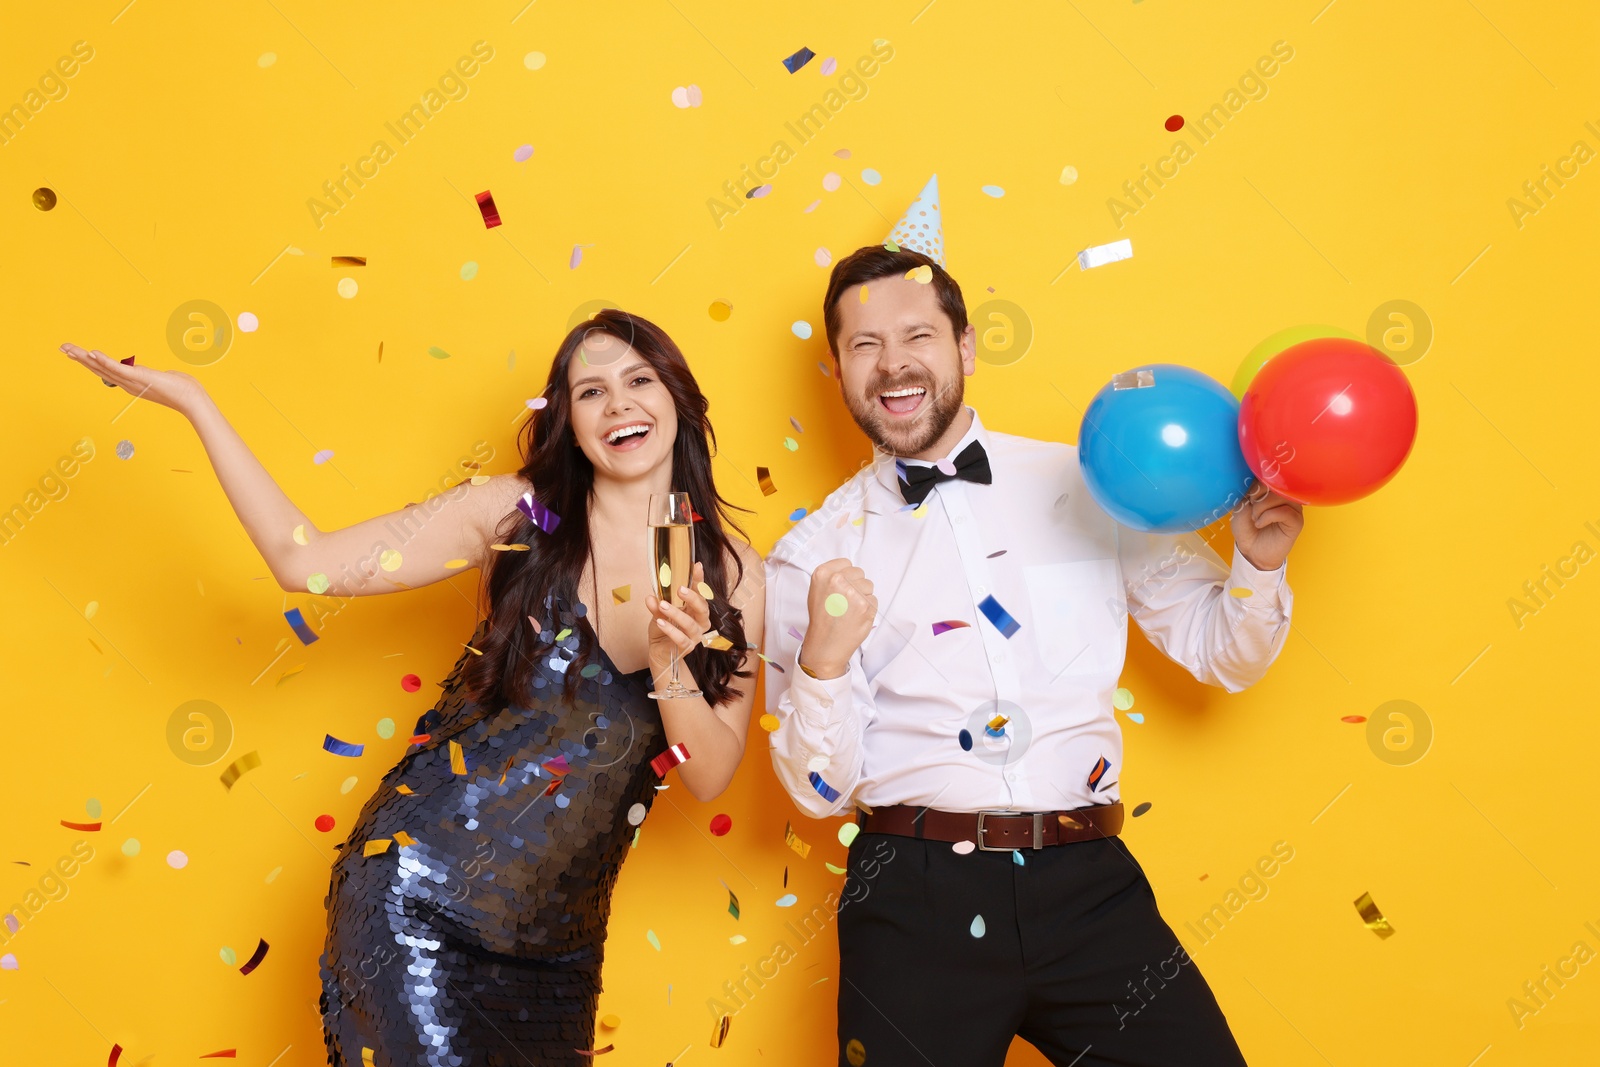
[919,228]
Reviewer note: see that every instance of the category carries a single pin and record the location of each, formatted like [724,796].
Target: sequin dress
[481,942]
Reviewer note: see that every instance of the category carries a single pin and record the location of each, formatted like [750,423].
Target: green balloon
[1277,343]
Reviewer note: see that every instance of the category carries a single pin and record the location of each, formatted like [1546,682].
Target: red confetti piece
[255,958]
[695,517]
[558,766]
[491,214]
[1175,123]
[553,786]
[324,823]
[116,1054]
[411,683]
[674,755]
[721,824]
[419,739]
[87,827]
[225,1054]
[948,625]
[596,1052]
[1354,718]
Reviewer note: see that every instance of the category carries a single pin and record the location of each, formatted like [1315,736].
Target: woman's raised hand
[169,388]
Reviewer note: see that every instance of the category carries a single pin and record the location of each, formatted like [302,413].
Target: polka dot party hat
[920,228]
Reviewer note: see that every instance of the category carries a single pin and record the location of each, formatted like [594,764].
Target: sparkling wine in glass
[671,522]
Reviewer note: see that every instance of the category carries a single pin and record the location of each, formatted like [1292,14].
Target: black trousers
[1073,957]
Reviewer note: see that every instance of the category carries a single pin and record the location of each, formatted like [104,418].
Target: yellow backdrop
[1376,154]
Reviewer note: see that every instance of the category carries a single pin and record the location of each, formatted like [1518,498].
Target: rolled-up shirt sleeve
[816,717]
[1223,625]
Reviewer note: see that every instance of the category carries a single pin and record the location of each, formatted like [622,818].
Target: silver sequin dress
[481,943]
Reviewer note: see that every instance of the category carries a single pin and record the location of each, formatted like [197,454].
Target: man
[949,628]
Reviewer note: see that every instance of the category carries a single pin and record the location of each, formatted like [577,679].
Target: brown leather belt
[995,831]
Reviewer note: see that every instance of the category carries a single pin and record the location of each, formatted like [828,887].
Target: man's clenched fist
[842,607]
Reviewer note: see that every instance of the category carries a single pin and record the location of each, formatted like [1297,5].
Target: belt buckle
[1038,829]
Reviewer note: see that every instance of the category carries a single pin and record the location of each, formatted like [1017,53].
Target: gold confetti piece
[719,1031]
[366,1058]
[474,651]
[404,790]
[509,548]
[458,759]
[90,608]
[736,939]
[922,274]
[389,559]
[404,839]
[1372,916]
[622,594]
[1239,591]
[380,351]
[478,479]
[769,722]
[610,1021]
[290,673]
[764,476]
[317,583]
[717,641]
[856,1053]
[863,294]
[921,510]
[247,762]
[349,261]
[998,722]
[454,564]
[858,520]
[705,590]
[375,846]
[300,535]
[664,575]
[792,839]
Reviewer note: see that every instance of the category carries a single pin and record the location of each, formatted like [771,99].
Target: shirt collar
[884,487]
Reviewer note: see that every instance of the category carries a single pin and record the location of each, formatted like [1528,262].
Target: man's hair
[875,261]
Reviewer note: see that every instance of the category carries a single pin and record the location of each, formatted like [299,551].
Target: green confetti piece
[978,928]
[229,956]
[590,671]
[791,444]
[831,867]
[93,808]
[317,583]
[469,271]
[847,833]
[385,728]
[562,636]
[655,942]
[836,604]
[438,353]
[130,847]
[1122,699]
[891,246]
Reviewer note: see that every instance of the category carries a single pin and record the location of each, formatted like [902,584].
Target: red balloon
[1327,421]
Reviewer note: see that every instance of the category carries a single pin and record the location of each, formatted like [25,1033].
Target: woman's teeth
[627,433]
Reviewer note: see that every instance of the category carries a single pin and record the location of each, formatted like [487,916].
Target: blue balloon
[1159,448]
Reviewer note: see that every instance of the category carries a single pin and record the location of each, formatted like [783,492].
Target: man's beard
[939,410]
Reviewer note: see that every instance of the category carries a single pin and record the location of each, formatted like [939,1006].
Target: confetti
[596,1052]
[978,929]
[367,1057]
[994,191]
[1100,255]
[848,833]
[733,902]
[577,257]
[403,839]
[1140,809]
[829,65]
[610,1021]
[822,257]
[801,329]
[793,840]
[385,728]
[1353,718]
[437,353]
[836,604]
[655,942]
[769,722]
[341,748]
[856,1053]
[177,860]
[833,868]
[116,1053]
[348,784]
[236,770]
[317,583]
[1174,123]
[256,957]
[719,310]
[1240,592]
[687,96]
[348,261]
[1122,699]
[998,615]
[299,535]
[44,198]
[1097,773]
[863,296]
[831,181]
[324,823]
[410,683]
[458,758]
[791,444]
[491,215]
[469,271]
[348,288]
[229,956]
[947,625]
[533,60]
[322,456]
[376,846]
[758,192]
[705,590]
[964,738]
[764,478]
[86,827]
[1069,175]
[1137,716]
[225,1054]
[824,790]
[962,848]
[996,725]
[523,153]
[8,962]
[922,275]
[538,514]
[872,177]
[798,60]
[297,622]
[130,847]
[672,757]
[1373,917]
[621,594]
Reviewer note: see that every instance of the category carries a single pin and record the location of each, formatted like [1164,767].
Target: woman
[468,907]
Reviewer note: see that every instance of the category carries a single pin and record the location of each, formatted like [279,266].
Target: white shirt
[889,731]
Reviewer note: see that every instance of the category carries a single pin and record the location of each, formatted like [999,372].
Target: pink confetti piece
[577,257]
[523,153]
[829,65]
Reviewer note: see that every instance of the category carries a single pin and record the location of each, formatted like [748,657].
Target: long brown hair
[543,581]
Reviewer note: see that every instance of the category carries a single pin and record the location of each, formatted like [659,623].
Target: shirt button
[960,519]
[1011,776]
[980,590]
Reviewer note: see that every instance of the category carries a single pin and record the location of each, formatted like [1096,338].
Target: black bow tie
[971,465]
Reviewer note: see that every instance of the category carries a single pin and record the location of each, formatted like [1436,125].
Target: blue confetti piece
[341,748]
[798,60]
[992,732]
[787,900]
[965,737]
[1097,774]
[797,514]
[993,190]
[1136,716]
[297,622]
[1016,854]
[999,616]
[871,177]
[828,792]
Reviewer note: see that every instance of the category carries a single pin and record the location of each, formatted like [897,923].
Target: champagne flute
[671,522]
